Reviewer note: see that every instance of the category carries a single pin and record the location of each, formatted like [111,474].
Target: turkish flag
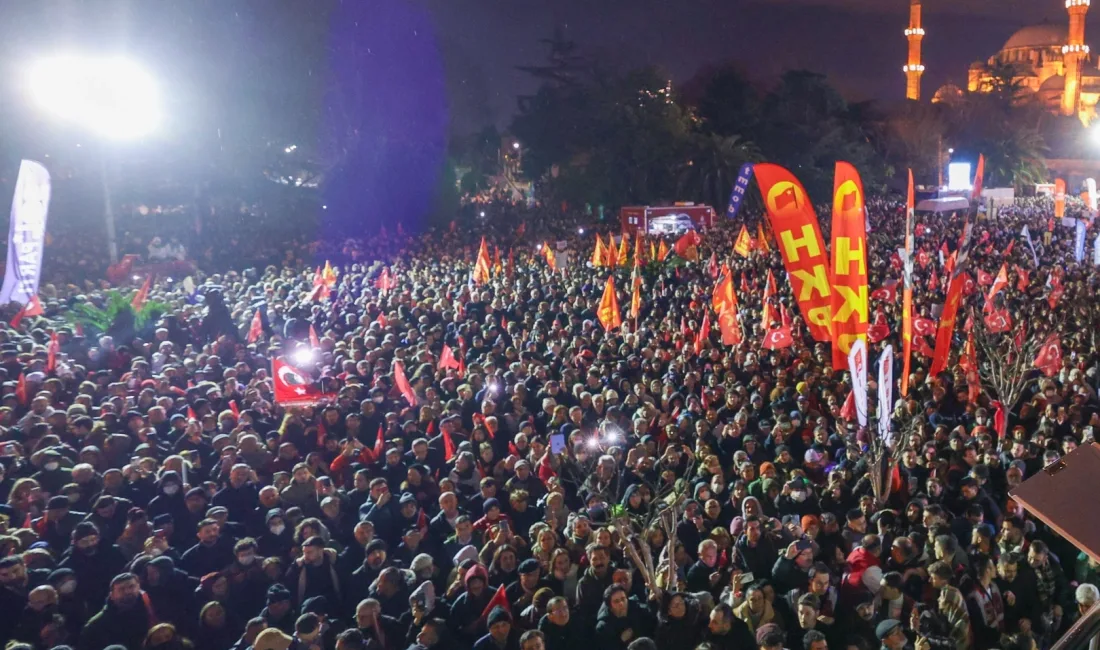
[888,292]
[924,326]
[256,330]
[448,446]
[402,382]
[1000,282]
[848,409]
[933,281]
[968,286]
[923,258]
[878,332]
[447,358]
[923,347]
[32,308]
[499,599]
[998,321]
[704,333]
[1049,359]
[292,387]
[1023,280]
[778,338]
[984,279]
[314,341]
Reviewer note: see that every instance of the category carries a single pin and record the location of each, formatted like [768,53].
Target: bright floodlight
[303,356]
[113,97]
[515,145]
[958,176]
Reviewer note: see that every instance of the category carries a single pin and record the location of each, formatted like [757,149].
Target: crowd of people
[552,484]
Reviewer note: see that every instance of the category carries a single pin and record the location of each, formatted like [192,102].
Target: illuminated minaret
[1073,54]
[914,68]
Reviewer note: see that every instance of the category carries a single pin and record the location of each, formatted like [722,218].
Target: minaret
[914,69]
[1073,54]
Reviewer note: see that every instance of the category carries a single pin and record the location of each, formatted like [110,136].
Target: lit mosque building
[1050,61]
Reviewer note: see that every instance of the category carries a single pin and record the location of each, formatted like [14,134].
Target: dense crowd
[155,496]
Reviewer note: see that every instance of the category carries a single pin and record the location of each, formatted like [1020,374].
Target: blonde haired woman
[953,607]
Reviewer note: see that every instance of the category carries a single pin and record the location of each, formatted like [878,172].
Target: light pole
[112,98]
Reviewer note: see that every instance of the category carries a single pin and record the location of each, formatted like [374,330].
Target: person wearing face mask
[247,582]
[93,560]
[170,498]
[277,539]
[796,498]
[124,620]
[69,605]
[53,476]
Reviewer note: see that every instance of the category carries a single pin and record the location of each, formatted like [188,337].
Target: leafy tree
[709,174]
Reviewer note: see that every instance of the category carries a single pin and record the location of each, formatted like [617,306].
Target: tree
[709,174]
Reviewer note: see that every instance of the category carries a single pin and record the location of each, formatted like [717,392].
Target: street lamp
[111,97]
[515,145]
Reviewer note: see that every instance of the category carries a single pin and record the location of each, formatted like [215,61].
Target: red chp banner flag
[849,263]
[907,289]
[1059,198]
[482,265]
[798,236]
[608,311]
[293,388]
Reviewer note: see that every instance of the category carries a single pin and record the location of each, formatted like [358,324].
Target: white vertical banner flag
[1079,245]
[857,365]
[1090,185]
[27,234]
[1030,244]
[885,393]
[1096,250]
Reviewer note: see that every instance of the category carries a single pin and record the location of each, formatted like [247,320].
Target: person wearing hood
[678,622]
[466,623]
[620,621]
[124,620]
[279,612]
[170,501]
[170,591]
[69,604]
[94,562]
[423,607]
[277,538]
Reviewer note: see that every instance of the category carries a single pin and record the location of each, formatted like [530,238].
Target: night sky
[857,43]
[261,54]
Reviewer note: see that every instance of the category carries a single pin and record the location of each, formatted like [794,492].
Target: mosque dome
[1038,36]
[947,93]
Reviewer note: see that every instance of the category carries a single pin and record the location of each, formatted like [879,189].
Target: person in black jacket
[211,554]
[239,497]
[560,632]
[94,561]
[124,620]
[619,621]
[727,632]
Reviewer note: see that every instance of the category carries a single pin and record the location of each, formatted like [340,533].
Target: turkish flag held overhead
[924,326]
[984,279]
[402,382]
[998,321]
[778,338]
[1023,280]
[888,292]
[499,599]
[32,308]
[1049,359]
[877,332]
[294,388]
[447,358]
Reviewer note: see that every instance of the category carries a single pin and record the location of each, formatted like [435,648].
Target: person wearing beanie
[502,634]
[358,584]
[94,562]
[279,612]
[55,527]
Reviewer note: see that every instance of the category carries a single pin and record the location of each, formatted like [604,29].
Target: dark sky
[857,43]
[269,52]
